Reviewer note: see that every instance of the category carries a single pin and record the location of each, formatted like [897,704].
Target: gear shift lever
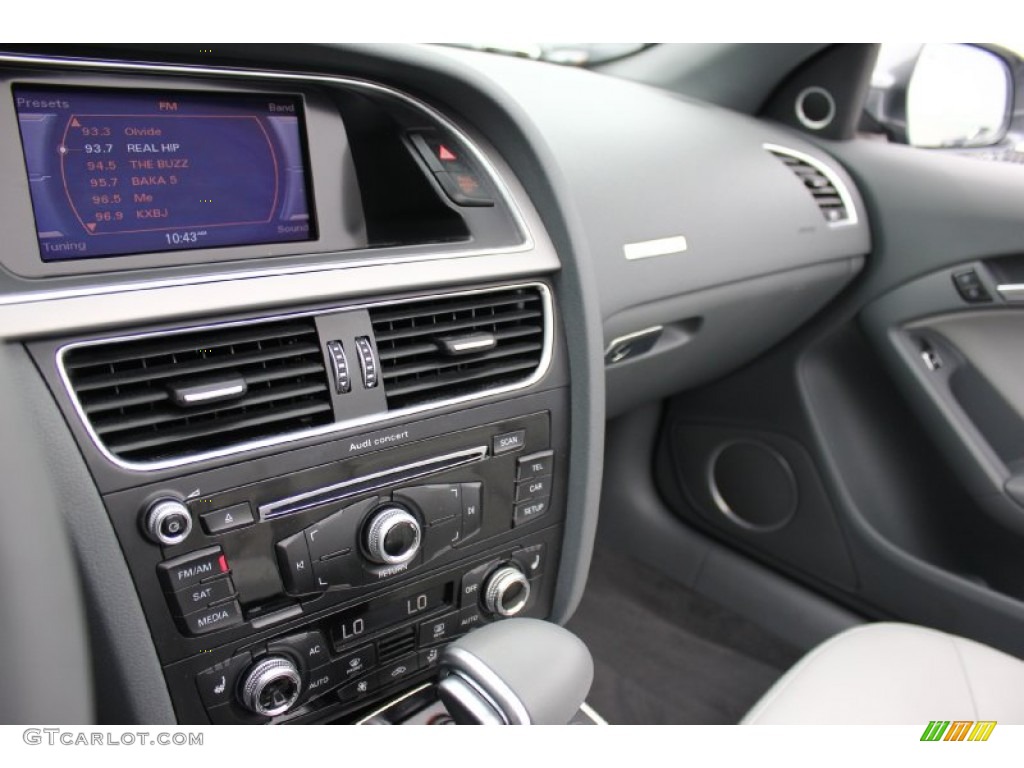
[516,672]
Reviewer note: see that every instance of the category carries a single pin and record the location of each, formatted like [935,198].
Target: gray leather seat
[895,674]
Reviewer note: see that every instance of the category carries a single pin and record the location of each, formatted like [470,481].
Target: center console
[313,497]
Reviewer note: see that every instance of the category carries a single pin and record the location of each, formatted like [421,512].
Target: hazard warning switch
[227,519]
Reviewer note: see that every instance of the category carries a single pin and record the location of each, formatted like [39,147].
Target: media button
[213,619]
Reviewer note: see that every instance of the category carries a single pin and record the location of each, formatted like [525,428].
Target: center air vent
[827,189]
[164,397]
[443,348]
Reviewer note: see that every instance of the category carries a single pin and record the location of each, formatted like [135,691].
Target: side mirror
[941,95]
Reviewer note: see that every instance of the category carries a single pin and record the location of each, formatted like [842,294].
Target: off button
[508,442]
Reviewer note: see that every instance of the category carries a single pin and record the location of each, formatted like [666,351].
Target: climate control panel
[343,662]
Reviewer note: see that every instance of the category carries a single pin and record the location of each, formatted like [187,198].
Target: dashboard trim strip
[647,249]
[527,243]
[537,375]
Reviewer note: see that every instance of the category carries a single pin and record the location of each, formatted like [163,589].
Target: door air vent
[443,348]
[829,192]
[163,397]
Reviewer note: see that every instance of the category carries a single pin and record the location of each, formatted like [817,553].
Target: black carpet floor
[663,654]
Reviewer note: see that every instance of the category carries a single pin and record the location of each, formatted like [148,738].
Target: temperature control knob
[393,536]
[506,591]
[271,686]
[167,522]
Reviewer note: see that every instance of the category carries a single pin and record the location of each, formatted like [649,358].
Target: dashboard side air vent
[444,348]
[163,397]
[829,192]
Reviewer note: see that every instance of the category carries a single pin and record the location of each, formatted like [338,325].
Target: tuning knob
[167,522]
[393,536]
[506,591]
[271,686]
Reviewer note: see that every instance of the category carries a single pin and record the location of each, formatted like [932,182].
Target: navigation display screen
[125,172]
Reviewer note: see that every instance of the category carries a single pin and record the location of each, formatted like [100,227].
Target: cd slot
[367,483]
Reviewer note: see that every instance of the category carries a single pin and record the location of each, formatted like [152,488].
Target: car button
[537,488]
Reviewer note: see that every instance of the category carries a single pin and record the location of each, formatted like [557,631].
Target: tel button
[535,465]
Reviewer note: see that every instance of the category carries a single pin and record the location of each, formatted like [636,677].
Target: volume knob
[393,536]
[167,522]
[506,591]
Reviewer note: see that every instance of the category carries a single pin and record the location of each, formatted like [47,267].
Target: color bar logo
[958,730]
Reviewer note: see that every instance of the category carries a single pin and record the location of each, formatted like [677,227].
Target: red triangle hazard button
[446,154]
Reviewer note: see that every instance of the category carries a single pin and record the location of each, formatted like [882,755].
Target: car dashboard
[320,342]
